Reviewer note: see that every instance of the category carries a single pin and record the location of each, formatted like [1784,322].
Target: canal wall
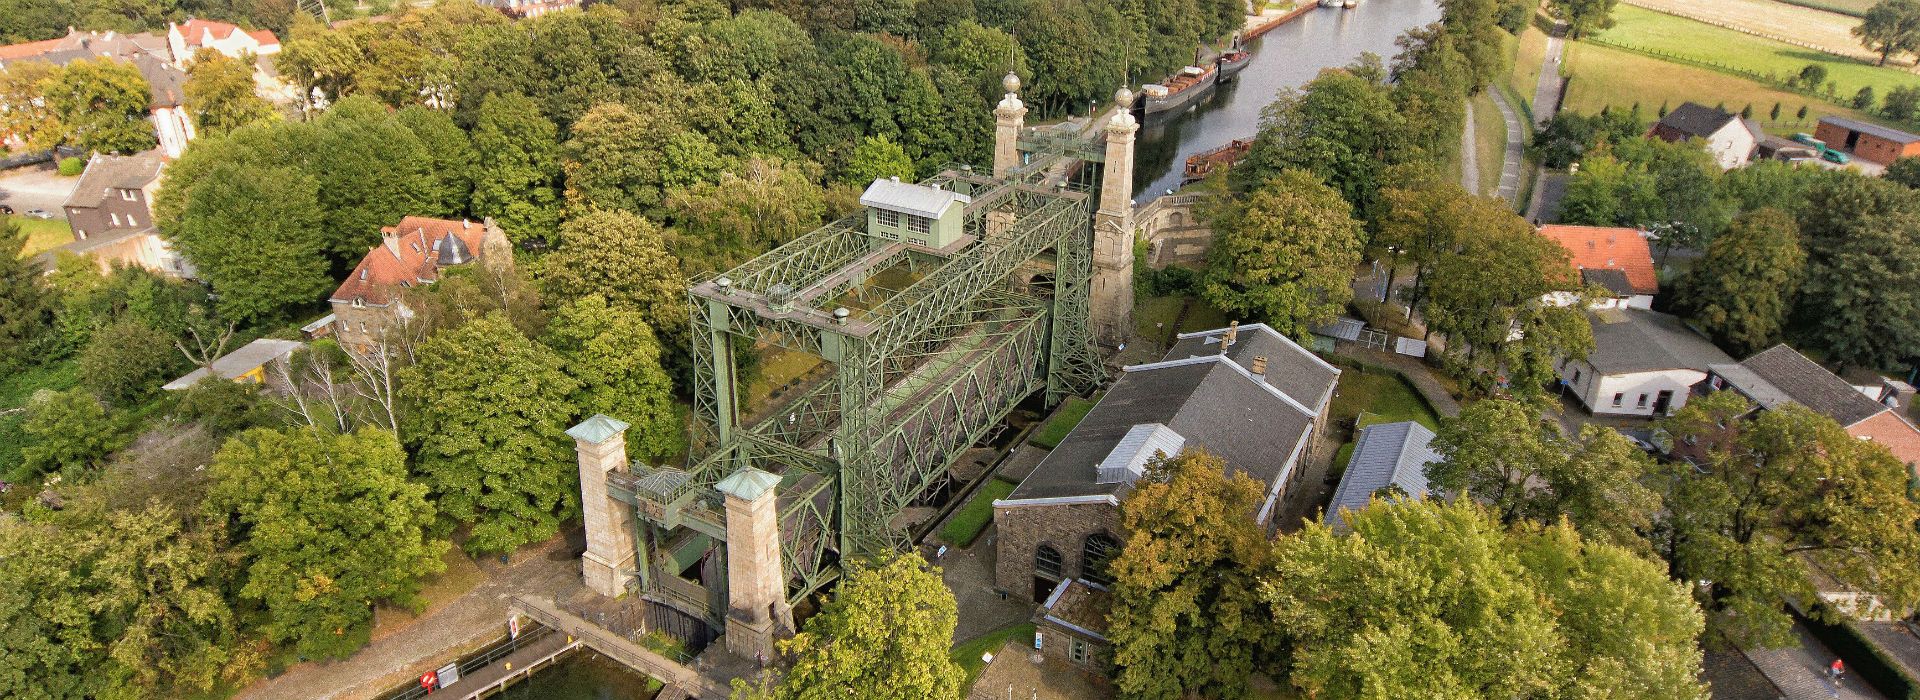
[1173,230]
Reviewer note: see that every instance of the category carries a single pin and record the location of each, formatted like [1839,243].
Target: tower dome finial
[1011,82]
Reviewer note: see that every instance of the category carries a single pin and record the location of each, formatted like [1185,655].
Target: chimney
[1232,336]
[1260,365]
[391,241]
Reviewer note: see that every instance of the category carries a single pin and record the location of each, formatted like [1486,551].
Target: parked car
[39,214]
[1833,156]
[7,210]
[1808,139]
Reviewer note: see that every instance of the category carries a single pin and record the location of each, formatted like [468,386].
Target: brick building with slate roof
[410,253]
[1781,375]
[1246,394]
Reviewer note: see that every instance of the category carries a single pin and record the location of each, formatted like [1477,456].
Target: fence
[1750,32]
[499,650]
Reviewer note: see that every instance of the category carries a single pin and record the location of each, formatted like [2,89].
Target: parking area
[36,187]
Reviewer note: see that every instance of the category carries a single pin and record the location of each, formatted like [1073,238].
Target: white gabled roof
[1128,460]
[910,198]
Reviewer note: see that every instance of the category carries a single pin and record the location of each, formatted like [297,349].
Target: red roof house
[410,254]
[1617,259]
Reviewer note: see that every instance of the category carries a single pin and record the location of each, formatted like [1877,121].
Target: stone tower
[607,565]
[757,610]
[1113,228]
[1008,118]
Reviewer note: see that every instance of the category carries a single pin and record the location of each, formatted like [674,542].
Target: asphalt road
[36,187]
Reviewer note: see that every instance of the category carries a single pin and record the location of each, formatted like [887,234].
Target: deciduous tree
[220,94]
[127,361]
[489,417]
[1890,28]
[884,635]
[25,303]
[1285,254]
[624,258]
[68,432]
[232,216]
[102,105]
[27,116]
[1776,493]
[1186,617]
[518,166]
[1742,290]
[763,203]
[326,524]
[614,357]
[1337,127]
[1582,16]
[877,157]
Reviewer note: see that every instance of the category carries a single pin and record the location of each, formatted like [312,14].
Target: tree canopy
[1890,28]
[884,634]
[101,105]
[1285,254]
[1742,290]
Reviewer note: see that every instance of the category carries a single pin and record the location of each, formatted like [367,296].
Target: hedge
[1864,659]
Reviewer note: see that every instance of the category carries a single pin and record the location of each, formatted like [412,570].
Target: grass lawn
[1374,396]
[1202,316]
[967,523]
[1062,422]
[967,653]
[1528,55]
[1491,147]
[1604,76]
[1153,317]
[1679,36]
[43,235]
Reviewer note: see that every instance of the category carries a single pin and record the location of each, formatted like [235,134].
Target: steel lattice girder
[917,379]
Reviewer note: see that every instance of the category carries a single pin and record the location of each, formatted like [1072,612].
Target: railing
[499,650]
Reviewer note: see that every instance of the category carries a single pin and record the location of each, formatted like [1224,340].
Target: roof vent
[1143,442]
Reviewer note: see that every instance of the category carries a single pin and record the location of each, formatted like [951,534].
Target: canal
[582,675]
[1286,57]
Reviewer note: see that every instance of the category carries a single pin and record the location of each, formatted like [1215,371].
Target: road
[36,187]
[1546,103]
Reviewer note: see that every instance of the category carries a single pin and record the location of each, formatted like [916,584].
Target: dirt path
[1515,153]
[1470,154]
[468,622]
[1830,32]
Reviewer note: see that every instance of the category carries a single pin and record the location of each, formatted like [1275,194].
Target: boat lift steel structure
[915,380]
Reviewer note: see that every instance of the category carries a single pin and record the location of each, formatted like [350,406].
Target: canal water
[1286,57]
[582,675]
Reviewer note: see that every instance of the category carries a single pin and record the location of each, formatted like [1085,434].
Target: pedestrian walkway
[1515,158]
[1470,154]
[1546,104]
[1800,671]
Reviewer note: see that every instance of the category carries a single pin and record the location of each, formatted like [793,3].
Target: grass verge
[1062,422]
[967,523]
[1490,147]
[43,235]
[968,653]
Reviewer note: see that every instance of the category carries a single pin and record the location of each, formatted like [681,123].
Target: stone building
[111,210]
[1071,625]
[412,253]
[1245,393]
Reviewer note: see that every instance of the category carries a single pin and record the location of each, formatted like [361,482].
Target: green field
[1062,422]
[1604,76]
[43,234]
[1491,147]
[1664,33]
[967,523]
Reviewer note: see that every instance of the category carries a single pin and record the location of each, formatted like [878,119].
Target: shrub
[127,362]
[1861,100]
[70,167]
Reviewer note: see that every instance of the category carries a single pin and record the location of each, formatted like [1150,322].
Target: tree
[1337,127]
[518,167]
[371,171]
[884,635]
[102,104]
[614,357]
[1508,456]
[68,432]
[1743,288]
[1582,16]
[1902,103]
[1426,599]
[451,153]
[489,420]
[27,116]
[1772,494]
[325,524]
[220,94]
[1862,100]
[1186,616]
[1285,254]
[24,300]
[235,213]
[877,157]
[127,361]
[1491,286]
[624,258]
[1890,27]
[622,159]
[1862,290]
[1904,170]
[764,203]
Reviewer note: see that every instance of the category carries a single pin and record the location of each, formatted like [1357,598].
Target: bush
[1863,99]
[70,167]
[223,407]
[126,362]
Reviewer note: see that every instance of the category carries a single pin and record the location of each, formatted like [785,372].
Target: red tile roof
[30,49]
[1899,436]
[194,29]
[1608,248]
[409,253]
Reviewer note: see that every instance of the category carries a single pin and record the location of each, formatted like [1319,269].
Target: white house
[185,39]
[1644,363]
[1730,139]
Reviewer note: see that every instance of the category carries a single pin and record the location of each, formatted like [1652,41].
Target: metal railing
[500,649]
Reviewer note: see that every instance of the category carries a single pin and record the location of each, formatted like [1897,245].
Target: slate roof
[106,173]
[410,253]
[1696,120]
[1611,280]
[146,51]
[1387,454]
[1608,248]
[910,198]
[196,32]
[1637,340]
[248,358]
[1781,374]
[1894,135]
[1210,399]
[1079,605]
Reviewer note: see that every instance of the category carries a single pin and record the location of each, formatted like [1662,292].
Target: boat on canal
[1232,61]
[1206,163]
[1181,90]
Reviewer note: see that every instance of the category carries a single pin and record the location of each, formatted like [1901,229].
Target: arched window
[1095,555]
[1046,562]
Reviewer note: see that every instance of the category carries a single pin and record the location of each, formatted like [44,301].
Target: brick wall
[1022,530]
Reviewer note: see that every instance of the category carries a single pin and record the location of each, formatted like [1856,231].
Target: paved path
[1516,148]
[469,622]
[1546,103]
[37,187]
[1470,154]
[1799,671]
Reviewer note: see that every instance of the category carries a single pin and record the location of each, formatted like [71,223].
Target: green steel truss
[916,378]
